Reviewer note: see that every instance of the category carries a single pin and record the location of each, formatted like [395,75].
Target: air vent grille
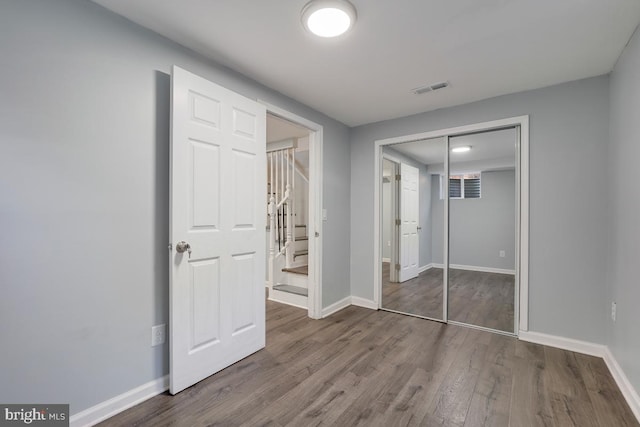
[430,88]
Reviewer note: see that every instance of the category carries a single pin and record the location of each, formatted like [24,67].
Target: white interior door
[218,207]
[409,214]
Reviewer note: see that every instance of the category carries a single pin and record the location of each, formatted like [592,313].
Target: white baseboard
[629,393]
[386,259]
[295,300]
[570,344]
[115,405]
[363,302]
[626,388]
[425,268]
[336,306]
[476,268]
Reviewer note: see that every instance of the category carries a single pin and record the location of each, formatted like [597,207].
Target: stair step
[303,269]
[300,253]
[291,289]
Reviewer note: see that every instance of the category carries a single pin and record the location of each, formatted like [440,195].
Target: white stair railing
[281,208]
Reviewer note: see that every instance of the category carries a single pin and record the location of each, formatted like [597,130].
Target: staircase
[287,233]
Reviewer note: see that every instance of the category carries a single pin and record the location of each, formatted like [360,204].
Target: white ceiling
[483,48]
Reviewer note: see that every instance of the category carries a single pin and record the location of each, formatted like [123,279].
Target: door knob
[183,246]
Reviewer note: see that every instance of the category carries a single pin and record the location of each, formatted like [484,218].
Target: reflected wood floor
[477,298]
[362,367]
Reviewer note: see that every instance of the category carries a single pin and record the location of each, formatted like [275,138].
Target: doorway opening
[465,221]
[293,252]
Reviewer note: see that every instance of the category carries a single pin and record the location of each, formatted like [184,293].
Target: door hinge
[398,222]
[397,267]
[398,177]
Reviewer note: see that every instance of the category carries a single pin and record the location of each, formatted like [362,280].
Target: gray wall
[424,210]
[478,228]
[84,128]
[624,201]
[568,137]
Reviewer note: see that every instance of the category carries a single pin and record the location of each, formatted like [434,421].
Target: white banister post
[289,244]
[293,190]
[272,240]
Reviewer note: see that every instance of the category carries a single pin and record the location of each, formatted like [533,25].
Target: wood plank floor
[477,298]
[376,368]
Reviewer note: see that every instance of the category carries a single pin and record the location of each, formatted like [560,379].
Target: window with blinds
[465,186]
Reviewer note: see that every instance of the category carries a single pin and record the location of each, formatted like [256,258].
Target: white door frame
[314,300]
[522,260]
[393,195]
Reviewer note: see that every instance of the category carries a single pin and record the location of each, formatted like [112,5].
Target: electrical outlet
[389,243]
[502,254]
[614,308]
[158,334]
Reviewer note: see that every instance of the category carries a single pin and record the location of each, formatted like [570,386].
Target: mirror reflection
[482,229]
[411,282]
[480,232]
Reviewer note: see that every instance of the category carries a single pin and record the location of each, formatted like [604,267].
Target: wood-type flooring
[477,298]
[362,367]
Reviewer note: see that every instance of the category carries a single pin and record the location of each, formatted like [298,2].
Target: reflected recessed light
[461,149]
[328,18]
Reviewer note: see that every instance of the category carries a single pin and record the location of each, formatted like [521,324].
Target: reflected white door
[409,214]
[218,183]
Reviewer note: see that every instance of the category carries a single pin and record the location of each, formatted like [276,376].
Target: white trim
[122,402]
[445,231]
[386,259]
[523,247]
[484,126]
[363,302]
[626,388]
[476,268]
[522,310]
[516,297]
[395,209]
[628,391]
[377,225]
[336,306]
[288,298]
[316,141]
[563,343]
[425,268]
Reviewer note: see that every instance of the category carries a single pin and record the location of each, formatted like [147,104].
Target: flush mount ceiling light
[461,149]
[328,18]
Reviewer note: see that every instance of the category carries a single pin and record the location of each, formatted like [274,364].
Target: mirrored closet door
[482,229]
[449,228]
[412,228]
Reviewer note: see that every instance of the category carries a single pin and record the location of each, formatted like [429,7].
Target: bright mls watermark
[34,415]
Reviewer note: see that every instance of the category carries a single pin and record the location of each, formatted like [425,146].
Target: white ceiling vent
[430,88]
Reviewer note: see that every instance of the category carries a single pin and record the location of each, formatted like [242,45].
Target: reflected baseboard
[425,268]
[476,268]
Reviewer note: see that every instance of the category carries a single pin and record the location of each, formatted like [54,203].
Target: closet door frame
[521,123]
